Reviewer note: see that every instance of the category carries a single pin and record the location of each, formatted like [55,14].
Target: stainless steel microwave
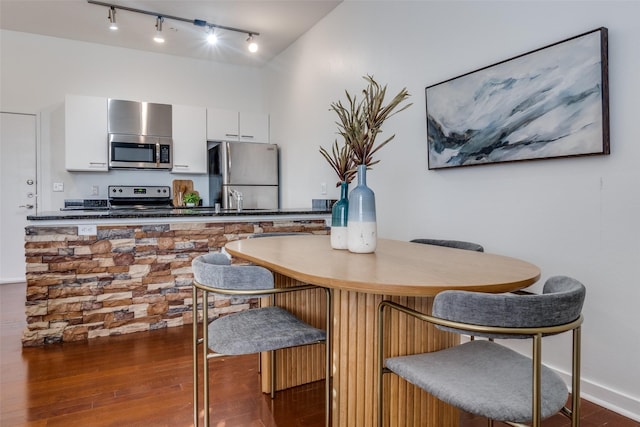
[140,152]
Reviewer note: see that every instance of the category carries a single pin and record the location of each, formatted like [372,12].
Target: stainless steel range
[140,197]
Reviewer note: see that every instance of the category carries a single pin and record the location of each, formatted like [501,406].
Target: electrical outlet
[95,190]
[323,188]
[87,230]
[58,186]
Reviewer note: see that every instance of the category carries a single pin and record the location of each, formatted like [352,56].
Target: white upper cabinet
[222,125]
[227,125]
[85,125]
[254,127]
[189,139]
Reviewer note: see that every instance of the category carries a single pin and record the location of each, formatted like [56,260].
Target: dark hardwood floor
[144,379]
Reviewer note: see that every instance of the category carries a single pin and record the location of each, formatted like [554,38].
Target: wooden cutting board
[180,188]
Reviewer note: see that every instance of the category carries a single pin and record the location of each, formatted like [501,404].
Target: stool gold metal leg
[205,359]
[194,311]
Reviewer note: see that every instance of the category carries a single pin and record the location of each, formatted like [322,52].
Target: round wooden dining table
[408,273]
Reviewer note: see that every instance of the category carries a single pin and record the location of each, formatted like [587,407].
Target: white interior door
[18,194]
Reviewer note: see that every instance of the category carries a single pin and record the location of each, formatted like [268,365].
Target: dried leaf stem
[341,160]
[359,123]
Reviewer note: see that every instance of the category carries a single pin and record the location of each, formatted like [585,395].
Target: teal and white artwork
[552,102]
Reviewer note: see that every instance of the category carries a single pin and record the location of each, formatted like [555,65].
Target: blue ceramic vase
[339,214]
[362,232]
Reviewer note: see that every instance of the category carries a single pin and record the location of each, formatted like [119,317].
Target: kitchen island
[176,214]
[98,273]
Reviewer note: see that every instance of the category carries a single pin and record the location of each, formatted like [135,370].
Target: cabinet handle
[97,163]
[180,166]
[231,134]
[247,136]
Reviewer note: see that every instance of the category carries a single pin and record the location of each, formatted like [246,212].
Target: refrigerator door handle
[225,160]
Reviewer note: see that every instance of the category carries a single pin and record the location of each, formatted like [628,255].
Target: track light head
[211,36]
[159,38]
[113,25]
[252,45]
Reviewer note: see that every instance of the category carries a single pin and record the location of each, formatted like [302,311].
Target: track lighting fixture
[252,45]
[113,25]
[159,38]
[212,35]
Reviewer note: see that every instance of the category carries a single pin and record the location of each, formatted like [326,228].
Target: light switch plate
[87,230]
[58,186]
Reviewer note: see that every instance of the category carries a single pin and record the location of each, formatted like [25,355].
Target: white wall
[577,217]
[37,72]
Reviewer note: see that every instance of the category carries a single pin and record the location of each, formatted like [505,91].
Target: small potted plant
[191,199]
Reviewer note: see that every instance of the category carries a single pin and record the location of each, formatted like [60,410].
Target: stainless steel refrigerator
[243,170]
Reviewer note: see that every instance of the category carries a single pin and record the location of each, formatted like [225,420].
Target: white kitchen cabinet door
[85,125]
[189,139]
[254,127]
[228,125]
[222,125]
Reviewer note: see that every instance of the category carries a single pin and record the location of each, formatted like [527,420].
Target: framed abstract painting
[551,102]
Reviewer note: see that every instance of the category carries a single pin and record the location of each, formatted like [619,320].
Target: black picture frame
[547,103]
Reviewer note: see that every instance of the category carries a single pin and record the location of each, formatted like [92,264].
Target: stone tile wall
[127,278]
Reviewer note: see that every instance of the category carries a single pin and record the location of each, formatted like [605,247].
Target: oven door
[139,152]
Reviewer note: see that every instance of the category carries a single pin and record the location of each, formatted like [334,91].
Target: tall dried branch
[360,122]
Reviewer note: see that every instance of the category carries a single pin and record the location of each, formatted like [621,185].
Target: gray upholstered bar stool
[247,332]
[483,377]
[274,234]
[458,244]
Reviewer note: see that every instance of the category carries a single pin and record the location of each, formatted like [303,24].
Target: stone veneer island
[127,277]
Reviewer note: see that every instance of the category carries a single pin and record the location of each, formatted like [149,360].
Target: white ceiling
[279,23]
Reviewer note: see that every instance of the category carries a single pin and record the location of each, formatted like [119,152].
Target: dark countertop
[168,213]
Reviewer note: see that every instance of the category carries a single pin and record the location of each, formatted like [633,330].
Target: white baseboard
[12,280]
[620,403]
